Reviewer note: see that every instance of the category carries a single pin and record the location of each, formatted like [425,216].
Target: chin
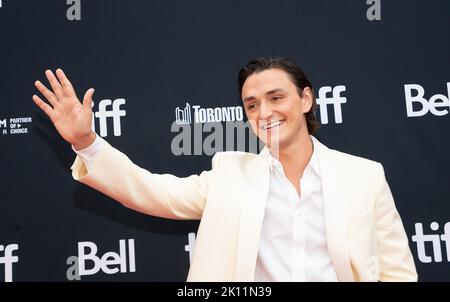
[273,141]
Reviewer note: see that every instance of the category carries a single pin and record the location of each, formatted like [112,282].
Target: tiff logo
[103,114]
[190,246]
[434,239]
[336,100]
[8,259]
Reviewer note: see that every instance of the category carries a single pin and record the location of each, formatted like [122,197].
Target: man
[298,211]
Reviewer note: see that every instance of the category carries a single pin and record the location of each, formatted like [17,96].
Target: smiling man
[298,211]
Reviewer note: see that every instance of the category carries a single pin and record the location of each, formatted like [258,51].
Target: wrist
[85,141]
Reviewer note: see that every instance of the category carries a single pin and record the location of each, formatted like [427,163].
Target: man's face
[274,107]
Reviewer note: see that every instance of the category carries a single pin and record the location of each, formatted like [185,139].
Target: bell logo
[8,259]
[74,12]
[88,263]
[438,104]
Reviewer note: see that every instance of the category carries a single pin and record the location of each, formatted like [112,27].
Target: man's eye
[276,98]
[251,106]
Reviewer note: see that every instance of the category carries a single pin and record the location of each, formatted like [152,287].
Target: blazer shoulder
[357,162]
[233,158]
[366,174]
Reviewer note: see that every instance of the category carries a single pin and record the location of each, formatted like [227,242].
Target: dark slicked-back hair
[297,76]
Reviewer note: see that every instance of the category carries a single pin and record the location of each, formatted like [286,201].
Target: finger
[50,96]
[67,86]
[56,86]
[43,105]
[87,100]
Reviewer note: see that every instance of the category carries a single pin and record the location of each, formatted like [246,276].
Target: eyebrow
[250,98]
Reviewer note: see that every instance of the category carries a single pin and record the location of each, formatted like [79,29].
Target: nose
[265,111]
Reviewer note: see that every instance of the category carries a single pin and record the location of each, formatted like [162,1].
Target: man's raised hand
[71,118]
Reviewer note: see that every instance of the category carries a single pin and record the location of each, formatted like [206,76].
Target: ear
[307,99]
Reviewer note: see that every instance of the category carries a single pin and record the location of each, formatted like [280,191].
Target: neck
[295,156]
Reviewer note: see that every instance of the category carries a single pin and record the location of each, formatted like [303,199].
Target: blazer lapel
[252,216]
[335,213]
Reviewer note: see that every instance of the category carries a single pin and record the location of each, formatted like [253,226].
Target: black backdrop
[158,55]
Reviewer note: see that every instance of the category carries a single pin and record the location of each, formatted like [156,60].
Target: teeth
[272,124]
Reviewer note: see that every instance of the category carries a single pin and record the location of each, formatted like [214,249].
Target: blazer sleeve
[395,258]
[163,195]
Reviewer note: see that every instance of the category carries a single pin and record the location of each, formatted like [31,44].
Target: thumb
[87,100]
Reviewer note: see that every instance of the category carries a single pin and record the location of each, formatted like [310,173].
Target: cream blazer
[365,235]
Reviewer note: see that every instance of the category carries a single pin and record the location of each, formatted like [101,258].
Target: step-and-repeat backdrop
[381,72]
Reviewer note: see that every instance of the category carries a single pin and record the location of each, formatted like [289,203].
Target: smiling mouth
[272,124]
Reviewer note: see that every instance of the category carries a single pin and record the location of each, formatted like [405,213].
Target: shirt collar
[313,162]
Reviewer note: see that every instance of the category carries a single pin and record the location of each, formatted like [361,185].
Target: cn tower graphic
[183,116]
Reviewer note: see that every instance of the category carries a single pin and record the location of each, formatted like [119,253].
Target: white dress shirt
[88,154]
[293,245]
